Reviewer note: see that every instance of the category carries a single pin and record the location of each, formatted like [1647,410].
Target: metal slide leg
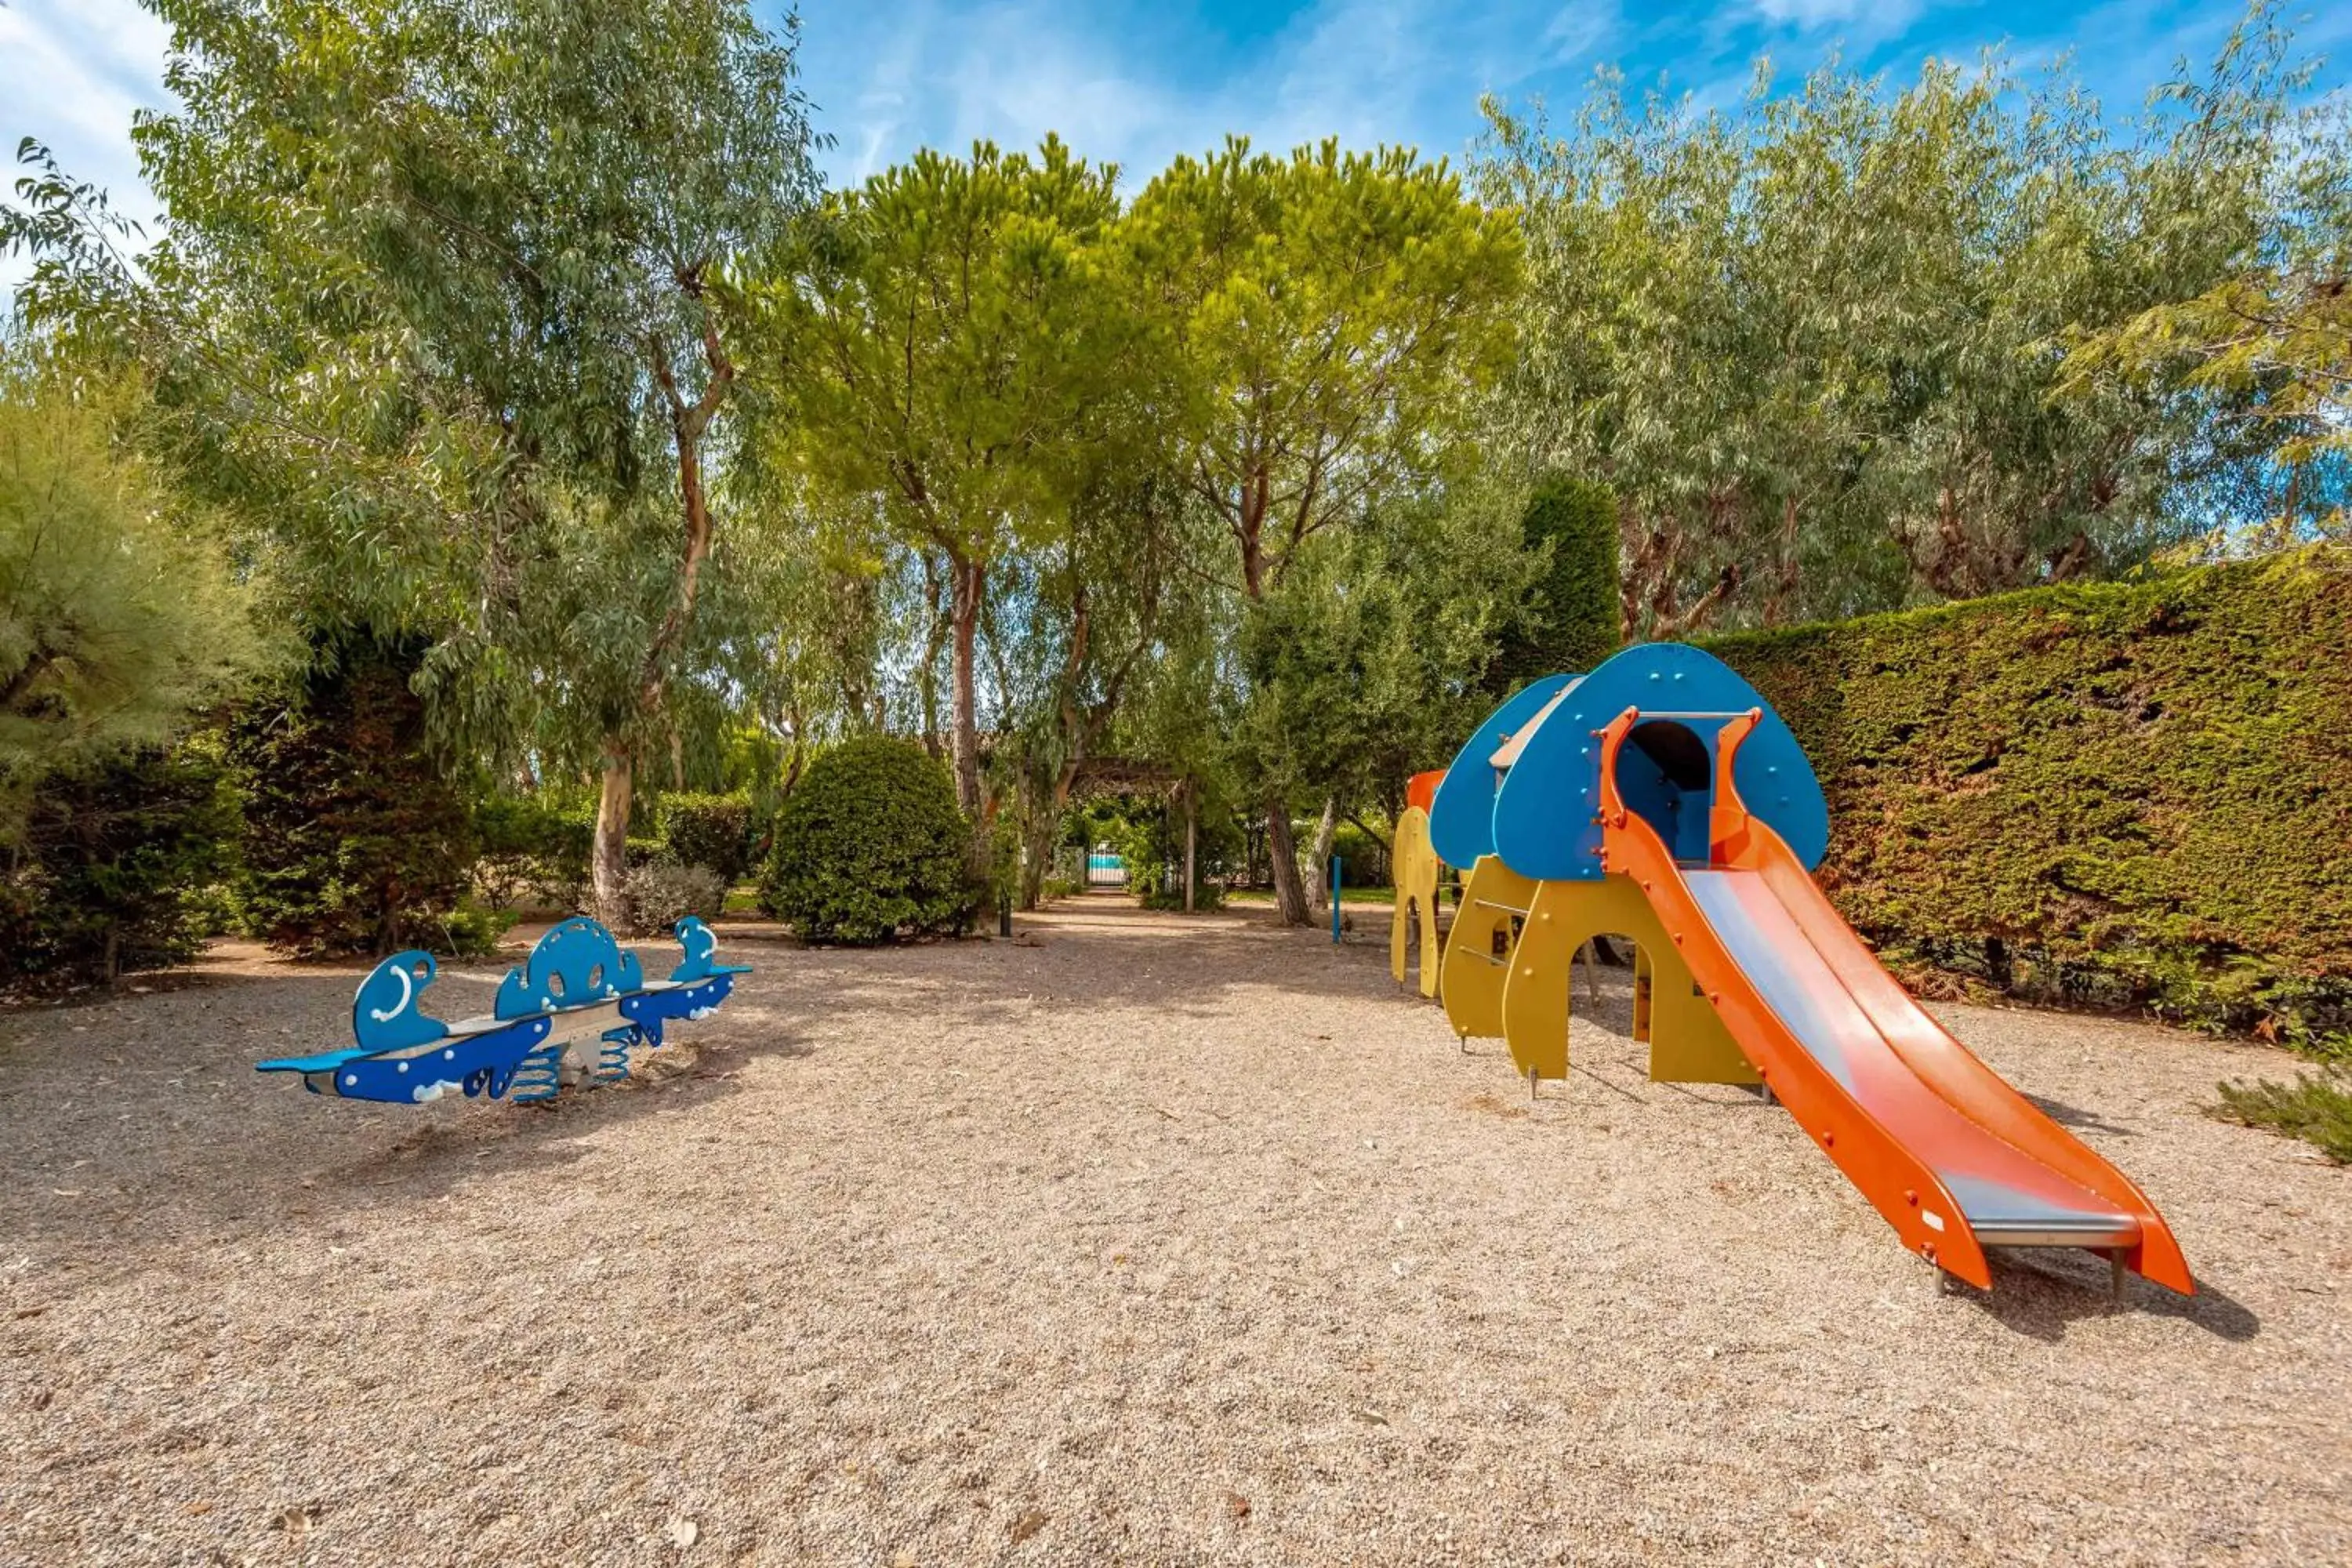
[1531,1083]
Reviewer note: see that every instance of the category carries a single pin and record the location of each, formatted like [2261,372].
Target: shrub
[661,894]
[712,830]
[358,843]
[1364,860]
[116,868]
[1574,608]
[2316,1108]
[472,930]
[530,851]
[2127,794]
[1153,845]
[870,845]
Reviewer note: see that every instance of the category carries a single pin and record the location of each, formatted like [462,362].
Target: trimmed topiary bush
[871,846]
[712,830]
[2134,793]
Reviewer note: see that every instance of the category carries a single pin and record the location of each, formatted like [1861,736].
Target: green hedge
[116,868]
[710,830]
[2132,793]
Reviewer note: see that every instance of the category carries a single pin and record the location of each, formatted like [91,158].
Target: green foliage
[2127,794]
[529,849]
[870,846]
[1812,340]
[1286,289]
[1574,606]
[115,867]
[1361,667]
[713,831]
[1364,860]
[120,608]
[2316,1107]
[440,311]
[1151,842]
[359,844]
[472,930]
[1287,284]
[2275,336]
[939,343]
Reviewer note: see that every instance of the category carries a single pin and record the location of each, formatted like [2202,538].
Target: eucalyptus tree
[1814,344]
[1075,640]
[935,343]
[1331,316]
[440,301]
[2273,339]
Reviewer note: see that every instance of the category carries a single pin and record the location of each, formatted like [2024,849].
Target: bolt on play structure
[1660,798]
[577,985]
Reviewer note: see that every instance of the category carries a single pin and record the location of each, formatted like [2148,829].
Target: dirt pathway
[1138,1240]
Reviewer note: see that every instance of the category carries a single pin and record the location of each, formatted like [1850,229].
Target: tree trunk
[963,718]
[1281,850]
[927,674]
[1326,830]
[609,858]
[1192,840]
[1036,854]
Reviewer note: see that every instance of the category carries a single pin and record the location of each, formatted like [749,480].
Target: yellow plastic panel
[1688,1043]
[1478,948]
[1562,918]
[1417,871]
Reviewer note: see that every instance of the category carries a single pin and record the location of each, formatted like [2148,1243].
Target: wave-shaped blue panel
[1542,822]
[701,948]
[576,962]
[1461,817]
[388,1014]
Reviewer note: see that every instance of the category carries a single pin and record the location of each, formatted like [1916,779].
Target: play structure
[1659,798]
[577,985]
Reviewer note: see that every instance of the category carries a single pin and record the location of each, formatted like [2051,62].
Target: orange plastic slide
[1954,1158]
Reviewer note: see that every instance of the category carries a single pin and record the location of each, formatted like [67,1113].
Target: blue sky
[1136,82]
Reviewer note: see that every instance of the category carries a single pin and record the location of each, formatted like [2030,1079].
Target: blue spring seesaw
[577,984]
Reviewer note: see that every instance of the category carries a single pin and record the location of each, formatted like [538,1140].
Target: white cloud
[1819,13]
[71,74]
[1133,88]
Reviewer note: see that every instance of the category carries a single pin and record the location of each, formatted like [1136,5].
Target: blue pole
[1335,899]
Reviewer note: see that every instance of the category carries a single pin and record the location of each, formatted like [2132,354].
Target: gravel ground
[1135,1239]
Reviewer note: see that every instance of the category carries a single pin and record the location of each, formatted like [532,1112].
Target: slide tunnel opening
[1666,774]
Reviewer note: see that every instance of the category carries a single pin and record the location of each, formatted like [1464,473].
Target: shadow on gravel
[2076,1117]
[2041,1294]
[148,1150]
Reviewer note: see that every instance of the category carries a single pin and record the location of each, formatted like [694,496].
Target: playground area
[1135,1237]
